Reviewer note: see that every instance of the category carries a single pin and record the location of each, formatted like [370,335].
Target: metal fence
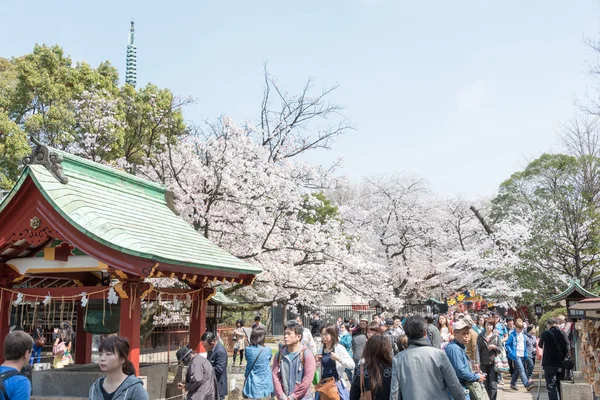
[330,313]
[160,347]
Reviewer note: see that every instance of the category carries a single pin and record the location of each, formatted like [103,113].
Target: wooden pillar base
[83,340]
[198,324]
[4,322]
[130,328]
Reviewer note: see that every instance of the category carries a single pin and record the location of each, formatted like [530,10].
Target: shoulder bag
[364,394]
[501,362]
[249,372]
[567,363]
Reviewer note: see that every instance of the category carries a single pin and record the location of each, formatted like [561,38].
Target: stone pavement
[521,394]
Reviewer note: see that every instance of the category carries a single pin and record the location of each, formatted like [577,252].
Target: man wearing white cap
[457,354]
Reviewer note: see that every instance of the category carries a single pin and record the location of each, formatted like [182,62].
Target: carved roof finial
[49,158]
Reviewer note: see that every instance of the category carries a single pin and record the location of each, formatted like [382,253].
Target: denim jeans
[529,365]
[519,371]
[37,351]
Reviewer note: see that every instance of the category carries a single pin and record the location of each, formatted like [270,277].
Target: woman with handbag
[39,341]
[332,361]
[62,346]
[489,345]
[259,382]
[241,341]
[374,377]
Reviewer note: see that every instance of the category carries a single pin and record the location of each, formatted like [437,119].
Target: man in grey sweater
[359,339]
[433,333]
[422,372]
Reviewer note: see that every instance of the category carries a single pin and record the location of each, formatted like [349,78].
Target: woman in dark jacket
[375,372]
[489,346]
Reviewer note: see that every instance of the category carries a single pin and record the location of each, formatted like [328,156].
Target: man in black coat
[217,355]
[555,350]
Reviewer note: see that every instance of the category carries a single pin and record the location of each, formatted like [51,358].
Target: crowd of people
[403,357]
[456,356]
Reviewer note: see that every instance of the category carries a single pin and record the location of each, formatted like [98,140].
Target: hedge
[554,313]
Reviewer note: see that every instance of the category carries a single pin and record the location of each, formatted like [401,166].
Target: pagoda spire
[131,69]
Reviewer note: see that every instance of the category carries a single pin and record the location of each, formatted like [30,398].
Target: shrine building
[74,232]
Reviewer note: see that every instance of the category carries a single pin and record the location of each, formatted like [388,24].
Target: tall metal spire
[131,71]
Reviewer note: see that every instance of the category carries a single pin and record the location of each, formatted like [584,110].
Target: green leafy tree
[82,110]
[556,202]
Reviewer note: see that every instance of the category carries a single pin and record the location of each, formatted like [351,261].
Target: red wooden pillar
[198,324]
[5,309]
[83,340]
[130,327]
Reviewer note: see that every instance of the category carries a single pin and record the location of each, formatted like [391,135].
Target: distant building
[131,68]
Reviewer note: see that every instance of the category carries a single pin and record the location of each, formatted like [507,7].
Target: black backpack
[4,376]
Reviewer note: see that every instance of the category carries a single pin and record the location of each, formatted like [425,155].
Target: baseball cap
[461,324]
[468,319]
[389,321]
[363,317]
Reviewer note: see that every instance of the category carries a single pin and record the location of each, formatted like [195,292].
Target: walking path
[521,394]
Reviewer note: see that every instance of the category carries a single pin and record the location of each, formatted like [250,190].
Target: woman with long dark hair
[375,372]
[62,346]
[333,359]
[120,382]
[241,341]
[446,330]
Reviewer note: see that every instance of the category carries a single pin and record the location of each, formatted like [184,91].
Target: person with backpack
[293,367]
[390,336]
[17,352]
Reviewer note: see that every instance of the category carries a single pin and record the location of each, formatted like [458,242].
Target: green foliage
[72,107]
[554,196]
[317,208]
[13,147]
[546,316]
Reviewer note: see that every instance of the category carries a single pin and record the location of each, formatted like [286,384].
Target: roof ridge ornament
[49,158]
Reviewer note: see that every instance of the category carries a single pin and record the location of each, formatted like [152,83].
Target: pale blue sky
[460,93]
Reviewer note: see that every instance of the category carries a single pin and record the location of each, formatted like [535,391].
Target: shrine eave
[113,213]
[574,286]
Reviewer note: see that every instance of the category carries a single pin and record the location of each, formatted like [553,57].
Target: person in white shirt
[517,351]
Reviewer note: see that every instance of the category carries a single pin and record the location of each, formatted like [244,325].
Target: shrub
[554,313]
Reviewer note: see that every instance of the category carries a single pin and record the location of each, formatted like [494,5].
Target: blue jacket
[457,354]
[346,341]
[259,382]
[511,345]
[218,359]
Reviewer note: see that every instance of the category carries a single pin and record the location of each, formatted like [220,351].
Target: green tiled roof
[574,286]
[128,214]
